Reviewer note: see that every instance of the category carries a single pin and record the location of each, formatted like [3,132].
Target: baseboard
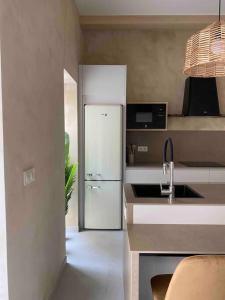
[51,293]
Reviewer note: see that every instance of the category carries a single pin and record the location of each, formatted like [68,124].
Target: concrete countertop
[213,194]
[177,239]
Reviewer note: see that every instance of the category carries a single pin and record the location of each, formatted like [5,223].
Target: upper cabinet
[103,84]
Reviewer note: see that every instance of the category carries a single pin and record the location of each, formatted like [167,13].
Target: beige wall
[73,38]
[188,145]
[34,34]
[154,60]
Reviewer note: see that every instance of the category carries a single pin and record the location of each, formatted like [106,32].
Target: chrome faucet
[168,165]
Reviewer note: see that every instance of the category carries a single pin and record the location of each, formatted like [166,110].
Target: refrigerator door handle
[94,187]
[93,174]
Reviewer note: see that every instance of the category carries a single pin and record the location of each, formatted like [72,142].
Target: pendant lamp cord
[219,10]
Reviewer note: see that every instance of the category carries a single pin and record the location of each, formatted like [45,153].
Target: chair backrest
[198,278]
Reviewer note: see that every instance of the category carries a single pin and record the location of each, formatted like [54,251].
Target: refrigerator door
[103,142]
[102,204]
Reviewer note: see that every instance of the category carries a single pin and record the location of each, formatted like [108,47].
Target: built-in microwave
[146,116]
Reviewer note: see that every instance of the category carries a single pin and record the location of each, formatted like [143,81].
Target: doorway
[71,128]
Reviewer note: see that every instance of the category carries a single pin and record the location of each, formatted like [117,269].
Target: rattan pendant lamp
[205,52]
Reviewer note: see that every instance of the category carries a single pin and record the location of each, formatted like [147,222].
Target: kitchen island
[211,194]
[157,231]
[207,209]
[148,239]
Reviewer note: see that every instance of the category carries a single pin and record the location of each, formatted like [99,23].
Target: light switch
[28,176]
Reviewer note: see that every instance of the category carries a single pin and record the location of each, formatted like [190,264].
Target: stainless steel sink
[154,191]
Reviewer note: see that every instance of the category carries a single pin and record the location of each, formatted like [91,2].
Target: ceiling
[148,7]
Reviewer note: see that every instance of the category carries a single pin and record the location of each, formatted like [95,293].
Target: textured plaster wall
[154,60]
[39,39]
[188,145]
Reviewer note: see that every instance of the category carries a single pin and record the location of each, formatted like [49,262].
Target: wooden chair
[196,278]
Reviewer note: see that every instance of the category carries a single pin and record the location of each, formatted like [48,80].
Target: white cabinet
[101,151]
[179,214]
[185,175]
[144,175]
[217,175]
[200,175]
[104,84]
[103,205]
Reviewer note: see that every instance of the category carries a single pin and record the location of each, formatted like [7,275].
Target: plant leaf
[70,171]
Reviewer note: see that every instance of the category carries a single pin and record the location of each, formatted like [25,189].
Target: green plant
[70,171]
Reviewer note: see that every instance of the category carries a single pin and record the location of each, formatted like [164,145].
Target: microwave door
[146,116]
[144,119]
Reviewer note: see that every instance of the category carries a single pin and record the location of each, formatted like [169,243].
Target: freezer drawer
[102,204]
[103,142]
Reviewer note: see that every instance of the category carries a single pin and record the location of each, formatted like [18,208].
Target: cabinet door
[104,84]
[179,214]
[217,175]
[103,205]
[144,175]
[191,175]
[155,175]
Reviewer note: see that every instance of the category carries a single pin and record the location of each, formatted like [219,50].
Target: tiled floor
[94,269]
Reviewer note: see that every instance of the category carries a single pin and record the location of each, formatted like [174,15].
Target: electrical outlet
[142,148]
[28,176]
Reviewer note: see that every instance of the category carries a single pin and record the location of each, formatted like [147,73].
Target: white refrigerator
[103,167]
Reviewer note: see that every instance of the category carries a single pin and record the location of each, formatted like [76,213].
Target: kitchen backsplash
[188,145]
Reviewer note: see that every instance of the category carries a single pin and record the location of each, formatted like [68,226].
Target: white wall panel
[179,214]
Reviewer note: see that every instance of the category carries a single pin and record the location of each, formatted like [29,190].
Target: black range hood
[200,97]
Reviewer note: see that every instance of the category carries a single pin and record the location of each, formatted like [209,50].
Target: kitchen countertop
[152,165]
[177,239]
[213,194]
[158,165]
